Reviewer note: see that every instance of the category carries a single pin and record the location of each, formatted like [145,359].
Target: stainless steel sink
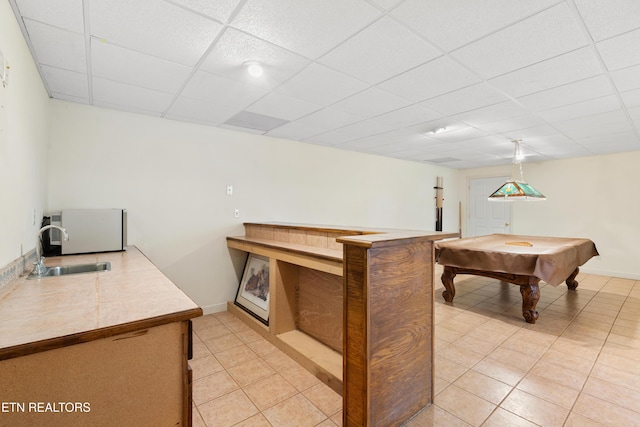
[63,270]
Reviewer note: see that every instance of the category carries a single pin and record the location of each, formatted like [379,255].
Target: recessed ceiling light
[254,68]
[437,130]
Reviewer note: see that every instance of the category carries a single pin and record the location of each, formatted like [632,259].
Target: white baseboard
[618,274]
[215,308]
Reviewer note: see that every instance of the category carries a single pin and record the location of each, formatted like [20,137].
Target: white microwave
[90,230]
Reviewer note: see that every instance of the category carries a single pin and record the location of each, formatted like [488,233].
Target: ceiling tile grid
[376,76]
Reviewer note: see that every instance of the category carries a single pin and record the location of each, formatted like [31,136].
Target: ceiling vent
[248,120]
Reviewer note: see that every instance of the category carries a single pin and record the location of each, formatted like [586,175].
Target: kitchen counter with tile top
[101,348]
[41,314]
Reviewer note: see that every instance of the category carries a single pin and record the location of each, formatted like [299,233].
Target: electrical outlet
[229,190]
[236,213]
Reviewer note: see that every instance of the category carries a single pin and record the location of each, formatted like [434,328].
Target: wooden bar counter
[355,307]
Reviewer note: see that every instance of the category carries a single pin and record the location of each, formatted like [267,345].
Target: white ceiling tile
[408,116]
[296,131]
[468,98]
[381,139]
[571,93]
[559,98]
[601,129]
[631,98]
[219,10]
[234,48]
[512,125]
[535,133]
[387,4]
[553,145]
[106,92]
[623,141]
[56,47]
[199,111]
[331,138]
[567,68]
[321,85]
[220,90]
[626,78]
[380,51]
[370,102]
[393,149]
[635,116]
[282,106]
[66,82]
[495,146]
[453,23]
[64,14]
[434,78]
[581,109]
[366,128]
[154,27]
[556,32]
[491,113]
[308,28]
[329,118]
[594,121]
[621,51]
[127,66]
[609,18]
[70,98]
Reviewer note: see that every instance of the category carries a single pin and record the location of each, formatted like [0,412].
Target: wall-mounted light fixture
[513,189]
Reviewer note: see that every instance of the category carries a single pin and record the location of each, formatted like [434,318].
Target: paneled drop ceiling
[373,76]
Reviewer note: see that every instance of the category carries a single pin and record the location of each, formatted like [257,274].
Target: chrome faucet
[38,267]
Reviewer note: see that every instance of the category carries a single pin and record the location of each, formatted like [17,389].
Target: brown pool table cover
[551,259]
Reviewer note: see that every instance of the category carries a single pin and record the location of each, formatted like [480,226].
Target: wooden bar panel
[388,365]
[283,304]
[320,306]
[400,338]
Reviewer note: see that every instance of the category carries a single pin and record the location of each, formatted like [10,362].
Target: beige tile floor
[579,365]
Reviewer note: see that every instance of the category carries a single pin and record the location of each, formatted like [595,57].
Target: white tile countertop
[51,312]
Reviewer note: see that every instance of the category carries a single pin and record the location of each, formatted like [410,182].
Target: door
[487,217]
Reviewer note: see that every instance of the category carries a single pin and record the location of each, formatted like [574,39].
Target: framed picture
[253,292]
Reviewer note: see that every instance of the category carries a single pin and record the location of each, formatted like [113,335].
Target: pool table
[520,260]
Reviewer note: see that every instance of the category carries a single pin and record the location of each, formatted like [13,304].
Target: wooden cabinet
[355,307]
[137,378]
[106,348]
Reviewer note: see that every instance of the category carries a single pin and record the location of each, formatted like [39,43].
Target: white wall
[172,178]
[593,197]
[24,110]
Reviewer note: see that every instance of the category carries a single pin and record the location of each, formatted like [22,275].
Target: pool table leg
[571,281]
[447,280]
[530,296]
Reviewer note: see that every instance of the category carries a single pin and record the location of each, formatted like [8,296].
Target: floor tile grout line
[567,325]
[241,387]
[515,387]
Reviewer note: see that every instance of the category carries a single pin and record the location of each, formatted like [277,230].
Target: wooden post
[388,335]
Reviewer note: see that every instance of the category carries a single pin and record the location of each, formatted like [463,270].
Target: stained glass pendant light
[513,189]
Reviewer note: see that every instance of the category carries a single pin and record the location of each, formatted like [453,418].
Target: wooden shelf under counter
[354,306]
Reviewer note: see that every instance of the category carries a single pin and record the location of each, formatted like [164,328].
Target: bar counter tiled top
[51,312]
